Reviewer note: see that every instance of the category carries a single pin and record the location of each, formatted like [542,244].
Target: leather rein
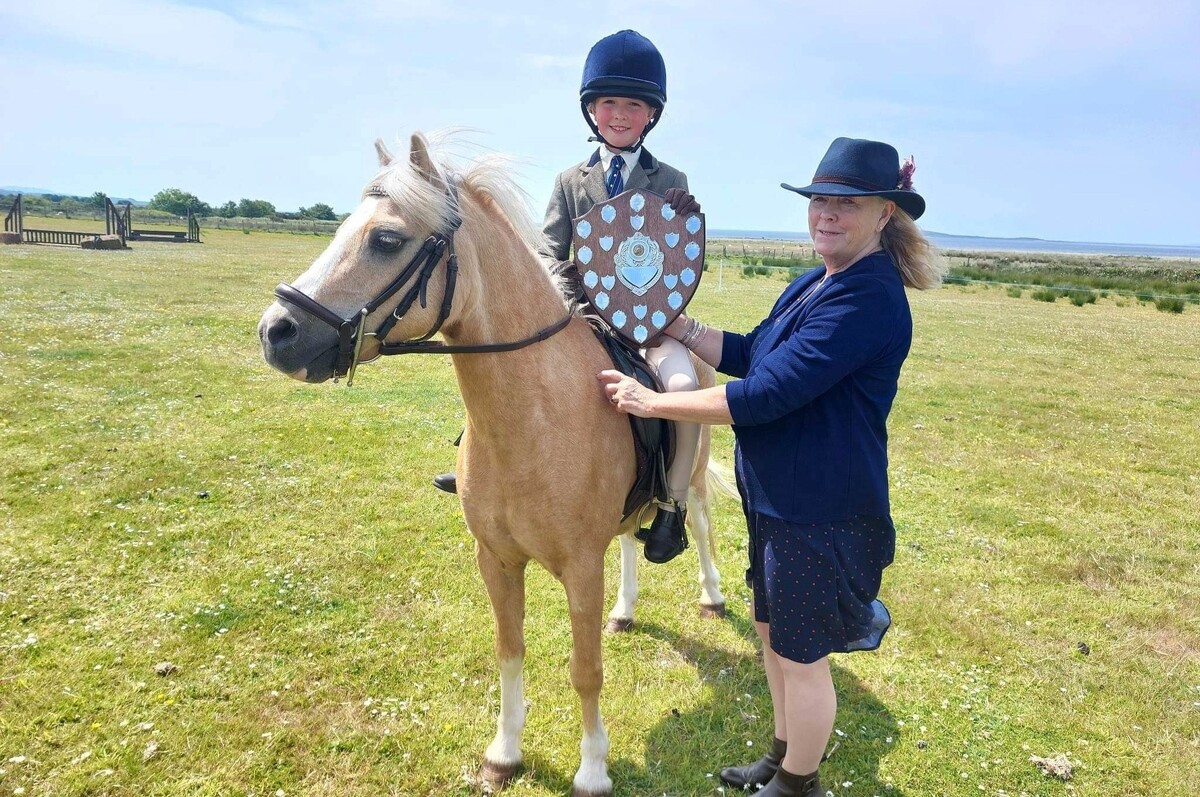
[351,331]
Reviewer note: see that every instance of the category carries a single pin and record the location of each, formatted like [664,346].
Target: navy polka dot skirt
[816,584]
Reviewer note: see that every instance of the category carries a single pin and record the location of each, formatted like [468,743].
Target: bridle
[351,331]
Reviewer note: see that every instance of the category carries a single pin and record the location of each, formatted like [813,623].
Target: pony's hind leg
[621,616]
[585,598]
[712,602]
[506,590]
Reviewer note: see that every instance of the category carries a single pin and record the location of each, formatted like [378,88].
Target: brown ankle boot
[753,777]
[785,784]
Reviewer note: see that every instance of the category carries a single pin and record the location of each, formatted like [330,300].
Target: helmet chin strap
[600,140]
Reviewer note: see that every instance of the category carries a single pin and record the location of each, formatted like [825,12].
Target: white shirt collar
[630,158]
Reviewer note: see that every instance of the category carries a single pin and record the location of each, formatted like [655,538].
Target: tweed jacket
[581,187]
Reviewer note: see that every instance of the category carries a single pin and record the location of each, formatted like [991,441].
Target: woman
[809,414]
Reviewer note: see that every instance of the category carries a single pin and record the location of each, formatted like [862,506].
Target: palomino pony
[545,461]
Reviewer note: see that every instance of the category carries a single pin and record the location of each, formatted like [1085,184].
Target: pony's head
[391,273]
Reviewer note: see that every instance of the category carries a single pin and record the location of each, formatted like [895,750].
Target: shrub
[748,271]
[764,270]
[1080,298]
[1045,294]
[1015,292]
[1170,304]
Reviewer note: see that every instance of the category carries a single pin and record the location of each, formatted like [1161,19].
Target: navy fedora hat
[857,167]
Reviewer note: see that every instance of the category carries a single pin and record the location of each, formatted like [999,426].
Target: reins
[351,331]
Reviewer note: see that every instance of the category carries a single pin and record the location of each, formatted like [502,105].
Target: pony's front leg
[585,599]
[621,616]
[506,590]
[712,602]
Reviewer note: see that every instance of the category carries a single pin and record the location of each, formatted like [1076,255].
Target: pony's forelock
[426,202]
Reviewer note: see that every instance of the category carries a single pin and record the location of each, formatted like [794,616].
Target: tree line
[178,202]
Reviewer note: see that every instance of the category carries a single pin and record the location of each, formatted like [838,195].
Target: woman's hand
[626,394]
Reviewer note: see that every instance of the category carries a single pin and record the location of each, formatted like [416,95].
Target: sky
[1073,120]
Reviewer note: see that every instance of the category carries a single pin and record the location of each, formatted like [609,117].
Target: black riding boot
[756,775]
[666,538]
[448,482]
[785,784]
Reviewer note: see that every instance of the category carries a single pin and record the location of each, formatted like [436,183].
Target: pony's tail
[718,478]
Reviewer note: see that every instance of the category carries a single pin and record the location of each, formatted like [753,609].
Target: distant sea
[996,244]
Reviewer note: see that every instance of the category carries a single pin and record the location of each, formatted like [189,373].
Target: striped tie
[613,180]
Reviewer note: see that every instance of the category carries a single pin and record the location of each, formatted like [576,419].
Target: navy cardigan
[818,380]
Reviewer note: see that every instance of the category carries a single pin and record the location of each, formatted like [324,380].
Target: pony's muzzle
[280,332]
[295,346]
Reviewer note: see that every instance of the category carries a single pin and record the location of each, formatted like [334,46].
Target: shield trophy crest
[641,262]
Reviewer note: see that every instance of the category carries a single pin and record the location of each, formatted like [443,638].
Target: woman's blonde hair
[920,264]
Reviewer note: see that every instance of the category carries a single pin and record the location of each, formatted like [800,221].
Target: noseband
[351,331]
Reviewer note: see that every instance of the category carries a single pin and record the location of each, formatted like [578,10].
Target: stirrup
[667,537]
[670,505]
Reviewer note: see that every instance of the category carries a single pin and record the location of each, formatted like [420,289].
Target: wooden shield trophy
[640,261]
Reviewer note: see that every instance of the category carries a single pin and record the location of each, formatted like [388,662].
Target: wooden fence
[114,224]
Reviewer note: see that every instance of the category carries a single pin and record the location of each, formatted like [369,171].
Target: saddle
[653,438]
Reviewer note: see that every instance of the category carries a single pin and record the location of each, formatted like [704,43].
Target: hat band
[853,181]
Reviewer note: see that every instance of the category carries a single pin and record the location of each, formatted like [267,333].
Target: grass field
[167,498]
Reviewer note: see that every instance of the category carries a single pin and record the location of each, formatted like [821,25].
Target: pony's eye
[387,240]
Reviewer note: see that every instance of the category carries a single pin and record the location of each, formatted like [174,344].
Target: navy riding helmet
[625,64]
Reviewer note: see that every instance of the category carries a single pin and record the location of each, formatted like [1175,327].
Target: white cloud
[163,32]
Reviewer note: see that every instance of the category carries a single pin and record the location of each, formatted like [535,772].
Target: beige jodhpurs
[674,366]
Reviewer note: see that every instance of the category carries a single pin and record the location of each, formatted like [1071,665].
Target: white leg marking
[505,749]
[592,776]
[627,592]
[710,579]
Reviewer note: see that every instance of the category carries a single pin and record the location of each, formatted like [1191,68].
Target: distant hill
[992,244]
[18,189]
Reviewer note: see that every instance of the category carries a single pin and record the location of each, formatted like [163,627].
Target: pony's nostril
[281,332]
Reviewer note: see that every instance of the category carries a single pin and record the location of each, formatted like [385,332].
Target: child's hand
[681,201]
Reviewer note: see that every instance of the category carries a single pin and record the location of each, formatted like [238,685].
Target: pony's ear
[422,161]
[385,157]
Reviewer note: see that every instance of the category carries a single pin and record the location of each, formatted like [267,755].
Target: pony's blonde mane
[487,175]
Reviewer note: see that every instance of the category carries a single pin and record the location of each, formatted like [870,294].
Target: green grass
[167,497]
